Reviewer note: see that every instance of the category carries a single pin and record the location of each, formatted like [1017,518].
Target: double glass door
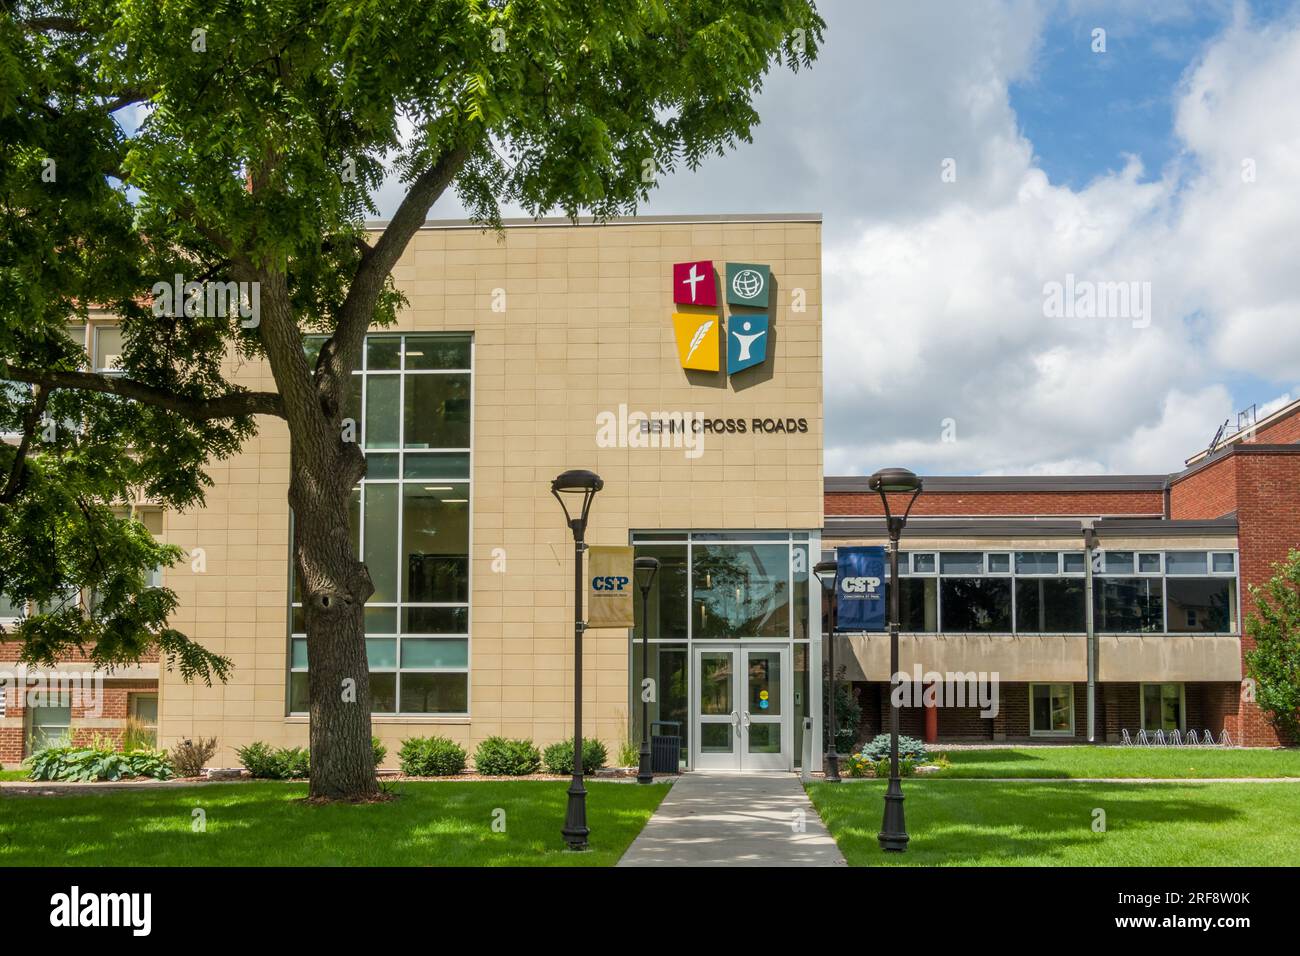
[742,708]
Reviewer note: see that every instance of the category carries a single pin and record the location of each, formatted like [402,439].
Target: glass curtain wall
[410,523]
[1043,592]
[748,587]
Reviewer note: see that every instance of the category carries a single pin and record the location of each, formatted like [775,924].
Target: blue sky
[1085,111]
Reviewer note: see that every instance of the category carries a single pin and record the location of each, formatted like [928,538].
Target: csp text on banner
[860,589]
[609,587]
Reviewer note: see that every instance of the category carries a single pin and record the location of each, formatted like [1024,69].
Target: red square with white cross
[694,284]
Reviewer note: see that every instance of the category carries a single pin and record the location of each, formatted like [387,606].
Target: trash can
[665,749]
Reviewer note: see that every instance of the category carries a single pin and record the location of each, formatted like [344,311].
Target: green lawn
[251,824]
[13,774]
[1170,762]
[978,823]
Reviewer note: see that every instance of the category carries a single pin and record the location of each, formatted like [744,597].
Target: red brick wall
[943,503]
[9,654]
[1268,515]
[1208,493]
[1261,483]
[1284,431]
[113,707]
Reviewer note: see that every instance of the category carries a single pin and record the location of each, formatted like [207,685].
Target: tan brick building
[544,328]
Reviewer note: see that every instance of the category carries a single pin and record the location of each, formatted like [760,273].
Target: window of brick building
[1163,707]
[1051,710]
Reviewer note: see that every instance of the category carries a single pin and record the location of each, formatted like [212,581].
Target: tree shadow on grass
[956,824]
[268,824]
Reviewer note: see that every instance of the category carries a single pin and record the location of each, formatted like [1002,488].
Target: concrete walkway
[731,819]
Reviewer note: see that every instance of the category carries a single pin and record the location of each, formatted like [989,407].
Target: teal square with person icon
[746,342]
[747,284]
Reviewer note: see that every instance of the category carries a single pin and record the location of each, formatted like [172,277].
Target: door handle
[735,722]
[745,717]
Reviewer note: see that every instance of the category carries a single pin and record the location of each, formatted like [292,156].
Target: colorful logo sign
[699,337]
[746,342]
[697,340]
[747,284]
[694,284]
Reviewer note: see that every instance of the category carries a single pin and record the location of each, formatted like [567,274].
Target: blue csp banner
[860,582]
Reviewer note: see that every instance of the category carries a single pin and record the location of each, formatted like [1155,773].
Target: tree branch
[127,98]
[54,24]
[18,470]
[363,293]
[230,405]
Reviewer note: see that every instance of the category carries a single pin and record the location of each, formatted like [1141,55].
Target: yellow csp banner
[609,587]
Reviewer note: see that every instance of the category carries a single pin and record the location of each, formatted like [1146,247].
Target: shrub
[906,767]
[264,763]
[138,737]
[629,754]
[258,760]
[499,757]
[189,757]
[294,763]
[431,757]
[558,758]
[85,764]
[848,713]
[908,747]
[289,763]
[856,765]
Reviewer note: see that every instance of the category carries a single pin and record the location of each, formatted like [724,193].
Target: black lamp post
[580,487]
[645,570]
[825,571]
[886,482]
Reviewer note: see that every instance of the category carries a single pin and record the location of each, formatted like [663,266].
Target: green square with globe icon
[747,284]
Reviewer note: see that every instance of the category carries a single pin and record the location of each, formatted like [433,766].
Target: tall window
[410,524]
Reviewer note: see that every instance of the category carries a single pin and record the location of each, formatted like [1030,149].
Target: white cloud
[934,290]
[945,311]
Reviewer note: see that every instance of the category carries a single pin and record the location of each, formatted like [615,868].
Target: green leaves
[246,142]
[98,762]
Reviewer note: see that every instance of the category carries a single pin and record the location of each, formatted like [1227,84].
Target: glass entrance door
[764,730]
[741,708]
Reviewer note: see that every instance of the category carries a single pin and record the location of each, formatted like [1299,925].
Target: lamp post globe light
[579,489]
[886,482]
[645,569]
[825,571]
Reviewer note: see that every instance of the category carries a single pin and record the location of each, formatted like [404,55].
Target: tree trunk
[335,586]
